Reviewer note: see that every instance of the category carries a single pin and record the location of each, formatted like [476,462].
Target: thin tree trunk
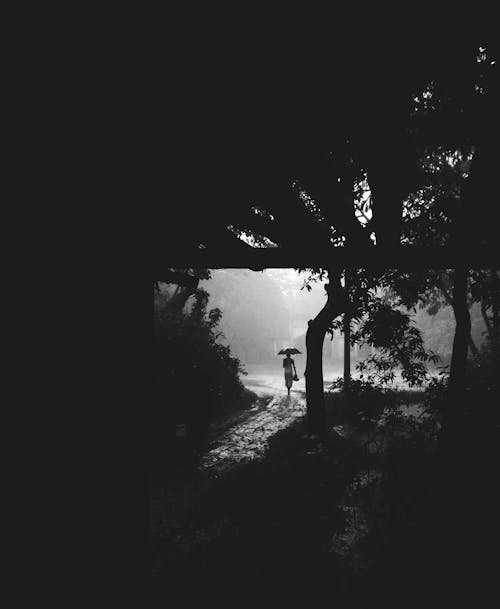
[449,300]
[487,323]
[347,350]
[472,346]
[315,399]
[347,340]
[462,329]
[450,435]
[496,321]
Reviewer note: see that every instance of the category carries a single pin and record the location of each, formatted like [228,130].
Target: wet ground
[263,381]
[245,491]
[249,440]
[266,493]
[268,501]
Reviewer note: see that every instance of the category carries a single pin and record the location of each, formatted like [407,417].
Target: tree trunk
[315,398]
[472,346]
[486,320]
[347,350]
[347,341]
[462,329]
[449,300]
[496,321]
[451,435]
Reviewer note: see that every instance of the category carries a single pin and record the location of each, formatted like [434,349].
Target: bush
[365,401]
[482,369]
[197,379]
[435,395]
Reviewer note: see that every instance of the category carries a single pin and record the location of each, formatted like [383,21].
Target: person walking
[290,372]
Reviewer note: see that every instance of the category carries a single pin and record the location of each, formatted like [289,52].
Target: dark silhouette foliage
[367,400]
[197,378]
[281,149]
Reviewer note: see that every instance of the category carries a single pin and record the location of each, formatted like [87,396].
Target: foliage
[479,402]
[399,345]
[195,374]
[435,395]
[366,400]
[482,369]
[398,342]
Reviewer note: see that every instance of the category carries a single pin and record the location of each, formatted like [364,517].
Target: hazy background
[263,312]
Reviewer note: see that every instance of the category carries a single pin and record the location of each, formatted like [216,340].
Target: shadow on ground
[313,521]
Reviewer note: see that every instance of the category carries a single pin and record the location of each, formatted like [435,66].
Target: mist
[263,312]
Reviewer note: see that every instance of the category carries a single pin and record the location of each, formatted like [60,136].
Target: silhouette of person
[289,366]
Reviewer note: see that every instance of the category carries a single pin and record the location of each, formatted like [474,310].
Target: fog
[263,312]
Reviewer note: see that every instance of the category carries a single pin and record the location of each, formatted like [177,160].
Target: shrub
[197,379]
[366,401]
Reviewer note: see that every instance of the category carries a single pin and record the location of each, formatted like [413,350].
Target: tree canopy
[280,151]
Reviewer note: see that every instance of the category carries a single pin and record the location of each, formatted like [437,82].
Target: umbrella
[289,351]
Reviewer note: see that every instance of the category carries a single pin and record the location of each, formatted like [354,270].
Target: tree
[317,328]
[291,178]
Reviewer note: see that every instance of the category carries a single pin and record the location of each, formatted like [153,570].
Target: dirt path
[239,439]
[248,440]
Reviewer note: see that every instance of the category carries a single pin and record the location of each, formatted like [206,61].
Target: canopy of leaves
[279,151]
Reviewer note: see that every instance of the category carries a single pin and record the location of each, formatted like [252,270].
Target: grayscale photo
[326,327]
